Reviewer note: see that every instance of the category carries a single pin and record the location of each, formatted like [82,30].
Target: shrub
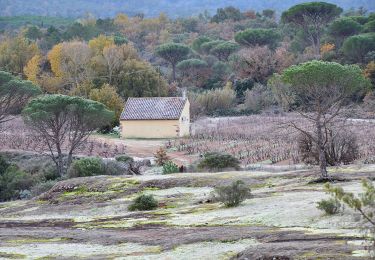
[124,158]
[144,202]
[13,181]
[161,156]
[217,161]
[342,148]
[42,187]
[3,165]
[259,98]
[170,167]
[216,99]
[330,206]
[86,167]
[232,195]
[50,173]
[25,194]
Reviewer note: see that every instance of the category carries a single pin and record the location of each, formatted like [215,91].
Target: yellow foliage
[32,69]
[82,90]
[52,85]
[54,57]
[228,86]
[369,71]
[108,96]
[121,20]
[99,43]
[15,53]
[327,47]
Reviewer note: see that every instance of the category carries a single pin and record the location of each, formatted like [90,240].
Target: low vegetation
[233,194]
[161,156]
[330,207]
[218,161]
[363,203]
[86,167]
[170,167]
[144,202]
[15,184]
[124,158]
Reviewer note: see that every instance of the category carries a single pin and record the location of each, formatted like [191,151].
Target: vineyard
[255,139]
[251,139]
[16,136]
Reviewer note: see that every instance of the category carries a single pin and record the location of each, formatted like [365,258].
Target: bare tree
[75,61]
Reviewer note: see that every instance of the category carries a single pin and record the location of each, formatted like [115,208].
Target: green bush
[124,158]
[218,161]
[144,202]
[170,167]
[86,167]
[232,195]
[24,194]
[13,181]
[331,206]
[50,173]
[3,165]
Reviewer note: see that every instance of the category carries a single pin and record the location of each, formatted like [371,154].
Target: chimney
[184,93]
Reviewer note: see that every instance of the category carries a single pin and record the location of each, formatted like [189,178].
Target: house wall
[150,128]
[185,120]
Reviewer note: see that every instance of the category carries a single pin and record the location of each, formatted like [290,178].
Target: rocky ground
[87,218]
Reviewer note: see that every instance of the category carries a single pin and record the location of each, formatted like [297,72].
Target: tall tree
[224,50]
[14,94]
[173,53]
[32,69]
[115,57]
[140,79]
[64,123]
[356,47]
[322,89]
[97,44]
[194,71]
[261,37]
[75,62]
[313,18]
[15,53]
[342,28]
[108,96]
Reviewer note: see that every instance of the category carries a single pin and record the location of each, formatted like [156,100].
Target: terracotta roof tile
[153,108]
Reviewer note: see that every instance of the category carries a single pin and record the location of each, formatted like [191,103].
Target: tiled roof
[153,108]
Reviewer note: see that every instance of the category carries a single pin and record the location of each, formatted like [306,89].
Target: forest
[230,63]
[174,9]
[280,110]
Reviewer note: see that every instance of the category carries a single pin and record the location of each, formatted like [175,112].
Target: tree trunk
[69,160]
[60,164]
[321,149]
[60,160]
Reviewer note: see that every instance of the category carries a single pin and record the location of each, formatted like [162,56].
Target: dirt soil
[87,218]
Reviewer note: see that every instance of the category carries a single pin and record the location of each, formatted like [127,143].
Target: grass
[11,256]
[37,240]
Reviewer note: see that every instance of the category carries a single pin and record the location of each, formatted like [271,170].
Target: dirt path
[147,148]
